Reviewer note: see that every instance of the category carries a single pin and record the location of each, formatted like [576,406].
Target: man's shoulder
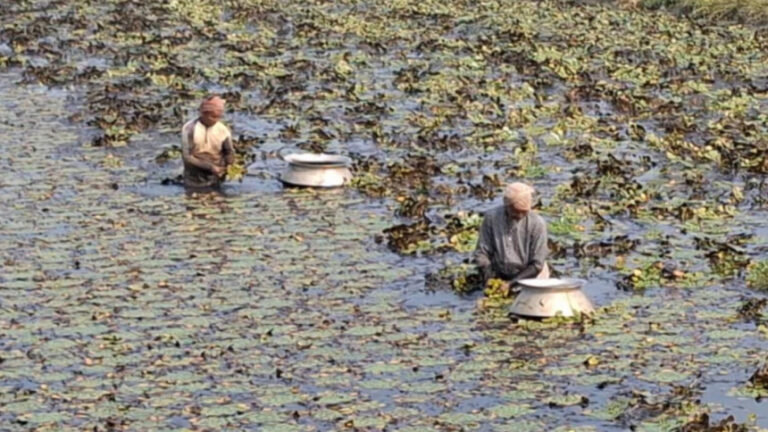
[188,125]
[495,213]
[535,219]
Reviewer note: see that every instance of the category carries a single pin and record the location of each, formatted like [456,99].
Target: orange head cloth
[519,195]
[213,104]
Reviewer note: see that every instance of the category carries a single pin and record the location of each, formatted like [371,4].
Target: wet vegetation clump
[759,379]
[702,423]
[454,233]
[750,11]
[757,275]
[753,308]
[463,278]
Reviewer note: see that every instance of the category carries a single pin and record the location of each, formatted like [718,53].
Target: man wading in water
[512,244]
[206,147]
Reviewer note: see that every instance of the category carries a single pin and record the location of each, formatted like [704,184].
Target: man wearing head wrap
[206,146]
[512,244]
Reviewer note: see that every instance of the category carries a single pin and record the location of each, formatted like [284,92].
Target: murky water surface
[129,304]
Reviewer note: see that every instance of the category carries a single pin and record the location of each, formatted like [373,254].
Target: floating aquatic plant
[757,275]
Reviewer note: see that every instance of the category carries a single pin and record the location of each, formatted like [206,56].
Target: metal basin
[316,170]
[542,298]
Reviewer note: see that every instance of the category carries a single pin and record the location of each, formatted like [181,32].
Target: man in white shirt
[206,146]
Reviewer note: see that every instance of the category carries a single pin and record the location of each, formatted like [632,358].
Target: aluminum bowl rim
[564,285]
[318,160]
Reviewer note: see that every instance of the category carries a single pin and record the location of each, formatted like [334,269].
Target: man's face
[209,118]
[515,213]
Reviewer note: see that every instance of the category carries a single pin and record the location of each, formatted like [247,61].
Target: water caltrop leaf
[510,410]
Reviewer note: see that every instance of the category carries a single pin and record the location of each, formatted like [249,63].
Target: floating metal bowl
[316,170]
[542,298]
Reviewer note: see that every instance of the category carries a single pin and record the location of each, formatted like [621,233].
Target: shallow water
[129,304]
[265,306]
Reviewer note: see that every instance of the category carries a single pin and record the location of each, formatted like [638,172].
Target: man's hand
[219,171]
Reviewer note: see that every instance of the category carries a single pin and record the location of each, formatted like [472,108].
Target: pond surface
[262,306]
[128,304]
